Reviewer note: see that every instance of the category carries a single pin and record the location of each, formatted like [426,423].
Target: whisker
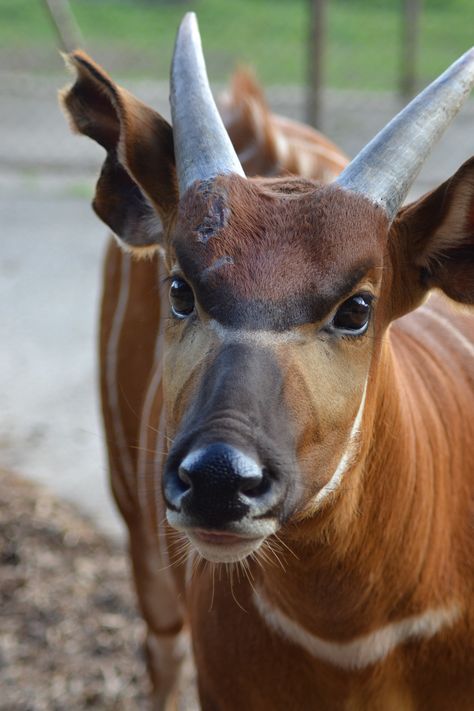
[180,549]
[282,542]
[275,553]
[248,573]
[262,554]
[254,556]
[138,448]
[184,547]
[176,563]
[230,573]
[213,579]
[196,561]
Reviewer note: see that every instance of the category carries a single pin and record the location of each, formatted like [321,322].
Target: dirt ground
[70,635]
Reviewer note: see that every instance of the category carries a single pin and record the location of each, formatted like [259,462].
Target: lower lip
[221,539]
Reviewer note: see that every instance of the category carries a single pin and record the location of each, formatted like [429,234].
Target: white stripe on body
[157,495]
[282,147]
[163,595]
[362,651]
[144,451]
[249,152]
[458,335]
[146,411]
[158,453]
[161,431]
[111,369]
[167,655]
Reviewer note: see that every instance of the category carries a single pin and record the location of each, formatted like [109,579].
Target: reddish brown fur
[268,144]
[396,538]
[314,256]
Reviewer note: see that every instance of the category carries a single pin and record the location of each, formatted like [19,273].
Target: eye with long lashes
[181,298]
[352,318]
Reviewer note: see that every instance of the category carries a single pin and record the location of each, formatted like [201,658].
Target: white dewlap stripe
[346,458]
[362,651]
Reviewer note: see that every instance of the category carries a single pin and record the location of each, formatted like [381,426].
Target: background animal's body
[362,598]
[268,144]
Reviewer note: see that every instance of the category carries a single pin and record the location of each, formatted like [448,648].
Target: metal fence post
[411,11]
[316,41]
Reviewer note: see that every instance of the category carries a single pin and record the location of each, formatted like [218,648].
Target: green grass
[135,37]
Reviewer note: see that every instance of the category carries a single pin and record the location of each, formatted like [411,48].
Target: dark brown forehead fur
[275,249]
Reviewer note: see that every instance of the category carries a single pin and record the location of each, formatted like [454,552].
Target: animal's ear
[436,236]
[137,193]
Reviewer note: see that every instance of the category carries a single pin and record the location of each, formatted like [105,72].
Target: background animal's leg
[129,327]
[167,642]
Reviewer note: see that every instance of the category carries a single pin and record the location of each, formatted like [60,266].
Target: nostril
[177,484]
[184,480]
[256,486]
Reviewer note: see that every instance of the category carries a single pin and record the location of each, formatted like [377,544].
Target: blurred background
[344,65]
[69,634]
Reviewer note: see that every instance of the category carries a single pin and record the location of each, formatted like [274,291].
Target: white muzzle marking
[253,532]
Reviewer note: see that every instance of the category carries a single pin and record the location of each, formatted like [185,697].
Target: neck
[371,555]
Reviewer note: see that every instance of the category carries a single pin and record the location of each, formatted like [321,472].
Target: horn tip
[189,17]
[187,37]
[188,24]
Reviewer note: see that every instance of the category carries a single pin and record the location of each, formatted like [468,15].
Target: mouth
[224,546]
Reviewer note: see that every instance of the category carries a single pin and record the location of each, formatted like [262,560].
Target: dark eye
[181,298]
[353,315]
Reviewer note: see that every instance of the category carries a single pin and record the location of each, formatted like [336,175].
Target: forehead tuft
[274,239]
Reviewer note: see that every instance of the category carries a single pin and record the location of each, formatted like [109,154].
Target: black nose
[216,484]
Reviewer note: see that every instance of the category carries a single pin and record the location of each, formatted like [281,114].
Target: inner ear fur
[137,193]
[434,242]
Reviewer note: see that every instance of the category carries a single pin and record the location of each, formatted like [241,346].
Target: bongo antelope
[290,425]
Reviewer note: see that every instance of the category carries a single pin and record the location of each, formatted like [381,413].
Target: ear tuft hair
[136,194]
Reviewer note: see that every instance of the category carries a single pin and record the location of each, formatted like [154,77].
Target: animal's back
[434,350]
[437,338]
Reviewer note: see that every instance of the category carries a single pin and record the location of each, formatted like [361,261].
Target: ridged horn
[202,146]
[385,169]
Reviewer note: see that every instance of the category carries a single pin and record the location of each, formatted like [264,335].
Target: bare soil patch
[70,634]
